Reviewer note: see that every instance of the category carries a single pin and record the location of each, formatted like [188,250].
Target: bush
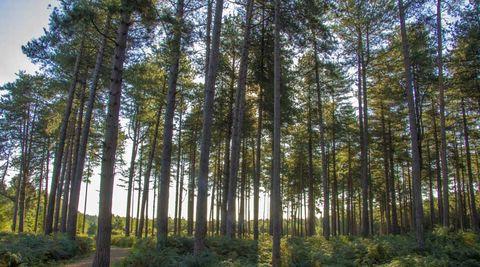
[123,241]
[442,248]
[32,250]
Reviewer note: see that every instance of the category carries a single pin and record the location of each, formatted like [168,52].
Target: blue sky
[21,21]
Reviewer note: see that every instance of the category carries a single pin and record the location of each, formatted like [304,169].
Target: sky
[24,20]
[21,20]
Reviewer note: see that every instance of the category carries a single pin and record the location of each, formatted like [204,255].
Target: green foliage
[123,241]
[34,250]
[443,248]
[179,252]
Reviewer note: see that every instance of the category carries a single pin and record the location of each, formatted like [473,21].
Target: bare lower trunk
[61,143]
[237,122]
[416,171]
[201,214]
[68,193]
[82,148]
[191,185]
[102,254]
[131,173]
[441,102]
[148,172]
[311,183]
[162,213]
[258,168]
[26,173]
[276,202]
[473,206]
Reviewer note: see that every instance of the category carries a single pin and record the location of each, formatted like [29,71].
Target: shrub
[123,241]
[30,249]
[443,247]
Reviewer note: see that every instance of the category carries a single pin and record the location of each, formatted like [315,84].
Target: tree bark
[416,172]
[102,254]
[39,196]
[131,172]
[148,172]
[201,213]
[311,180]
[73,165]
[163,199]
[473,206]
[191,185]
[82,149]
[237,122]
[326,197]
[276,202]
[441,102]
[61,141]
[26,172]
[386,171]
[258,167]
[179,190]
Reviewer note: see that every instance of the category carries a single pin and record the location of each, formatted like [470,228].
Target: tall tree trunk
[139,189]
[416,172]
[131,171]
[82,148]
[26,174]
[237,122]
[64,175]
[179,190]
[243,177]
[68,192]
[39,194]
[18,182]
[148,172]
[191,186]
[430,185]
[350,207]
[363,146]
[393,194]
[441,102]
[473,206]
[202,195]
[334,177]
[102,253]
[326,197]
[61,141]
[276,202]
[386,171]
[45,197]
[180,200]
[437,165]
[163,199]
[85,207]
[258,167]
[311,182]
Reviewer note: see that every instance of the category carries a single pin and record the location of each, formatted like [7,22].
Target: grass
[442,248]
[38,250]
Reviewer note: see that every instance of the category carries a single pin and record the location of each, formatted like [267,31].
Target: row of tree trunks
[61,141]
[83,135]
[205,140]
[237,123]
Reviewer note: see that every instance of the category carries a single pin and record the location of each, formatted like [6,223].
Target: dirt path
[116,254]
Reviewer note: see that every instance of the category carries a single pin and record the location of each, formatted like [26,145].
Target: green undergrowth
[123,241]
[442,248]
[39,250]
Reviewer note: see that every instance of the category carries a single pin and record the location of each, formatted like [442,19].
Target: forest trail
[116,254]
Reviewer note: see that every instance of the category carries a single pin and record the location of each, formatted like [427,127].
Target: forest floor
[116,254]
